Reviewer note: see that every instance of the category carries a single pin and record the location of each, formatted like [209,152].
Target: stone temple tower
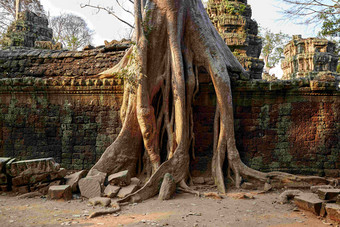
[233,21]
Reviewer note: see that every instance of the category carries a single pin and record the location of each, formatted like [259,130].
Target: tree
[173,38]
[71,30]
[325,12]
[272,49]
[7,11]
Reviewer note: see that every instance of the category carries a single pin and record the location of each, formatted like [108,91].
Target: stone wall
[286,125]
[23,62]
[70,120]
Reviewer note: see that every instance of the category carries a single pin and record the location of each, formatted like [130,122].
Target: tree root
[105,212]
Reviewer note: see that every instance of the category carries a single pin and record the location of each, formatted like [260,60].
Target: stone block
[122,178]
[102,201]
[21,189]
[198,180]
[60,192]
[168,187]
[90,187]
[34,166]
[74,178]
[309,202]
[30,179]
[328,194]
[123,192]
[61,173]
[333,212]
[111,191]
[315,189]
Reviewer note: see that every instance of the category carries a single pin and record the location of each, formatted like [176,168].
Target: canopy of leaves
[71,30]
[273,44]
[7,11]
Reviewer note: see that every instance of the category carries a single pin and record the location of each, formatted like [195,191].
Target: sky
[106,27]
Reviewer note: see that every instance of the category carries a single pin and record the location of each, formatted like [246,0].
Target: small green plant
[15,34]
[232,8]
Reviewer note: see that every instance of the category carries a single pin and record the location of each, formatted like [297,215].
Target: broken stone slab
[30,179]
[124,191]
[333,212]
[61,173]
[168,187]
[111,191]
[91,186]
[102,201]
[315,188]
[60,192]
[328,194]
[198,180]
[34,166]
[309,202]
[3,161]
[287,195]
[122,178]
[74,178]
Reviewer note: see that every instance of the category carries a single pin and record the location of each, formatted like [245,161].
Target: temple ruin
[233,21]
[311,57]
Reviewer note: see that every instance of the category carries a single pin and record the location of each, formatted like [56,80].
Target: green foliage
[232,8]
[338,68]
[273,45]
[330,22]
[15,34]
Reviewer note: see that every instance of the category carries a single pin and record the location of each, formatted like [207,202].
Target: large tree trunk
[173,38]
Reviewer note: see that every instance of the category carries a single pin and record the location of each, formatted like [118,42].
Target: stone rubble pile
[323,201]
[30,175]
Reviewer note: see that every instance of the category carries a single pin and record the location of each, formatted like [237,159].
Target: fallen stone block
[90,187]
[168,187]
[333,212]
[309,202]
[61,173]
[111,191]
[315,189]
[198,180]
[74,178]
[60,192]
[328,194]
[288,195]
[34,166]
[123,192]
[21,189]
[122,178]
[102,201]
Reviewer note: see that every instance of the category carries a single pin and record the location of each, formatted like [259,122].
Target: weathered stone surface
[248,186]
[30,167]
[30,179]
[90,187]
[102,201]
[60,192]
[21,189]
[124,191]
[58,175]
[333,212]
[111,191]
[310,202]
[4,188]
[122,178]
[288,195]
[135,181]
[328,194]
[74,178]
[315,188]
[338,200]
[198,180]
[168,187]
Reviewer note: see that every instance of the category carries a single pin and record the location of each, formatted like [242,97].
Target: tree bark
[174,38]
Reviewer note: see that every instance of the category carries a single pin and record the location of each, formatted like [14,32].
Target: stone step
[333,212]
[328,194]
[309,202]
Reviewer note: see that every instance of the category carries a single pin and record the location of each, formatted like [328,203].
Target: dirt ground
[183,210]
